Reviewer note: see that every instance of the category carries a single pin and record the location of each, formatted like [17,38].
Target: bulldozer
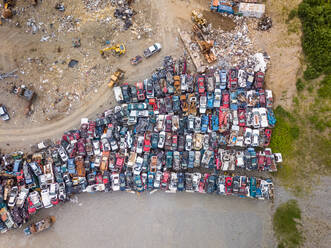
[116,77]
[198,19]
[118,49]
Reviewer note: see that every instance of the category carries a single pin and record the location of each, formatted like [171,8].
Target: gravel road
[160,220]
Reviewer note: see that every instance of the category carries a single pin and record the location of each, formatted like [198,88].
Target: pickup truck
[152,50]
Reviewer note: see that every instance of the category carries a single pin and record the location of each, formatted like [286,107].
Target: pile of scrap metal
[27,94]
[7,12]
[124,12]
[265,23]
[7,75]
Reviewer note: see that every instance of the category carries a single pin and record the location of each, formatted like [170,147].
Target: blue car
[271,117]
[181,180]
[224,80]
[233,100]
[150,180]
[175,103]
[191,159]
[138,184]
[210,100]
[71,166]
[122,182]
[204,123]
[169,157]
[252,187]
[215,123]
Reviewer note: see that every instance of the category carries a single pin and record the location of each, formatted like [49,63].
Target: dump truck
[116,77]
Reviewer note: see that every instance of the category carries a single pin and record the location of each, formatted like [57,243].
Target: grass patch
[285,221]
[300,85]
[316,39]
[325,89]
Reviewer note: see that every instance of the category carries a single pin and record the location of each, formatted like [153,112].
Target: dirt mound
[219,21]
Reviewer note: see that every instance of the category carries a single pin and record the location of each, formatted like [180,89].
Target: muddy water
[160,220]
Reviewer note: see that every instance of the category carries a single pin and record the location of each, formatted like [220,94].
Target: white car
[256,118]
[240,141]
[21,197]
[160,123]
[62,192]
[248,136]
[96,147]
[173,182]
[203,104]
[269,99]
[35,199]
[140,144]
[138,166]
[113,144]
[132,120]
[183,83]
[156,47]
[157,180]
[161,141]
[46,199]
[255,137]
[235,120]
[217,98]
[97,161]
[263,117]
[118,94]
[63,154]
[278,157]
[195,181]
[12,196]
[240,159]
[115,179]
[188,143]
[175,123]
[53,191]
[242,77]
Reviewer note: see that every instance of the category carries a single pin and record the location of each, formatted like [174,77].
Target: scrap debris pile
[265,23]
[174,131]
[125,12]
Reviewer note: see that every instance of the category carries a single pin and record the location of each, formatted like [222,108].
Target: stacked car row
[24,200]
[156,139]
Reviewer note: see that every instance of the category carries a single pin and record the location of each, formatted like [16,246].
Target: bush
[310,73]
[300,85]
[285,223]
[293,13]
[316,39]
[325,89]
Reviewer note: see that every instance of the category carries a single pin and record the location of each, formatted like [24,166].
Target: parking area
[121,219]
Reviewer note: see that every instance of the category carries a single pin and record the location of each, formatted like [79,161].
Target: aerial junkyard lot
[194,111]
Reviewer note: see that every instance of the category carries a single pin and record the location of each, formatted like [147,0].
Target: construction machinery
[204,44]
[7,9]
[198,19]
[116,77]
[118,49]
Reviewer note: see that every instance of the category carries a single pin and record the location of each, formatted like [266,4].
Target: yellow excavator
[119,49]
[7,12]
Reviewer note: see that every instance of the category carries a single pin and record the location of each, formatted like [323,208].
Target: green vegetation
[325,90]
[315,17]
[285,223]
[300,85]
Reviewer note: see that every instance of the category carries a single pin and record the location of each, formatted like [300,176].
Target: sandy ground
[160,220]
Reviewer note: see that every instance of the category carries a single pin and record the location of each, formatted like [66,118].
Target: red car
[225,99]
[31,208]
[267,133]
[259,80]
[91,129]
[228,185]
[165,180]
[233,79]
[242,117]
[153,103]
[98,179]
[201,85]
[202,184]
[174,142]
[262,98]
[119,162]
[261,161]
[140,91]
[81,147]
[147,142]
